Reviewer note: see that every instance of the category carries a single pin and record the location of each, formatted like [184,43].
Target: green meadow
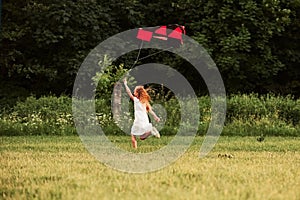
[59,167]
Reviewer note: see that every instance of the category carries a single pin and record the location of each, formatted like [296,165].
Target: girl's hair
[143,96]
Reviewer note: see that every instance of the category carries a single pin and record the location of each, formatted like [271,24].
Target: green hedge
[247,115]
[44,116]
[269,115]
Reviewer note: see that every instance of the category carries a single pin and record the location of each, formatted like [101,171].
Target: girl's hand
[125,81]
[157,119]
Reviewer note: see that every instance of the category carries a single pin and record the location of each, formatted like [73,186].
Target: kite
[171,35]
[172,32]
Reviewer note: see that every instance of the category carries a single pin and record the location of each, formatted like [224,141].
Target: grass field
[53,167]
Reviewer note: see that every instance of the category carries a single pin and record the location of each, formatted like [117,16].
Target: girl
[141,125]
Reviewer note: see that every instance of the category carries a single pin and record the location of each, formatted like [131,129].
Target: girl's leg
[145,135]
[133,141]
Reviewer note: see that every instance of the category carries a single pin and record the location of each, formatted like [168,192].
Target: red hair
[143,96]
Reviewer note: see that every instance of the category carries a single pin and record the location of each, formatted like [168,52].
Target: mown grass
[59,167]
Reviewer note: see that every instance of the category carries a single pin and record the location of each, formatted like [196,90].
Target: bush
[10,95]
[44,116]
[269,115]
[247,115]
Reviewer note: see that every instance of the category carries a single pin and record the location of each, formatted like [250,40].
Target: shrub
[247,115]
[254,115]
[44,116]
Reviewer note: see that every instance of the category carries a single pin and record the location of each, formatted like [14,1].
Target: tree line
[254,43]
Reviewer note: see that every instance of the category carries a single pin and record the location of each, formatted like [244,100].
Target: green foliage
[10,95]
[254,43]
[254,106]
[48,47]
[247,115]
[44,116]
[239,37]
[109,75]
[270,115]
[108,79]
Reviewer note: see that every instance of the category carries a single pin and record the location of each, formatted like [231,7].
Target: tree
[254,43]
[45,52]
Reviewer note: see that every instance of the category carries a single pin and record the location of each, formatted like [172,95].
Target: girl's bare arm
[156,118]
[127,89]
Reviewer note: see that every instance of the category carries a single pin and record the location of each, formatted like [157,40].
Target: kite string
[154,53]
[137,58]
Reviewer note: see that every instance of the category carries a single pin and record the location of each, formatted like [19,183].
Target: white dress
[141,122]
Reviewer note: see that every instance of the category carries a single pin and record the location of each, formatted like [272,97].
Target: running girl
[141,125]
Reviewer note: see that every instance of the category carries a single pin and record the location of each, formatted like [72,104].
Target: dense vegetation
[255,44]
[247,115]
